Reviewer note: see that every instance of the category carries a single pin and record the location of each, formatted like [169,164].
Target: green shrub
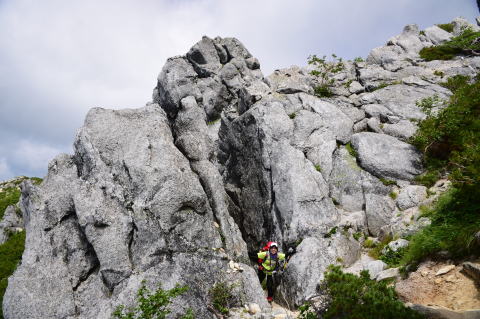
[428,178]
[376,251]
[318,168]
[456,82]
[369,243]
[455,221]
[393,195]
[464,44]
[324,71]
[357,235]
[387,182]
[10,255]
[446,26]
[332,232]
[221,297]
[449,140]
[359,297]
[323,91]
[152,305]
[292,115]
[380,86]
[9,196]
[306,312]
[393,258]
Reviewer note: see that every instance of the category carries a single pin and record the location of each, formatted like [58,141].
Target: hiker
[269,259]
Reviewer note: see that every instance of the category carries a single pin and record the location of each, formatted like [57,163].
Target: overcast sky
[60,58]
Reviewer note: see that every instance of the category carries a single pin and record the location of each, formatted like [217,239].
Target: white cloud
[5,172]
[33,157]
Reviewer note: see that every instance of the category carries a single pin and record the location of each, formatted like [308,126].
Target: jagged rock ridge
[222,160]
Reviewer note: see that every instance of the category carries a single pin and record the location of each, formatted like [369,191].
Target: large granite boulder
[386,157]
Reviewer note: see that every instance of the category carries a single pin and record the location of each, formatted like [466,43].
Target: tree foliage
[467,43]
[359,297]
[152,305]
[324,71]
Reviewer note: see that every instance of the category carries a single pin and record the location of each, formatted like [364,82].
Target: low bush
[324,71]
[221,297]
[450,141]
[152,305]
[387,182]
[393,258]
[456,82]
[10,255]
[359,297]
[466,43]
[376,250]
[446,26]
[455,221]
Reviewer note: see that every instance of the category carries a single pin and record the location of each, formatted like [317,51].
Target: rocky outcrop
[221,161]
[11,222]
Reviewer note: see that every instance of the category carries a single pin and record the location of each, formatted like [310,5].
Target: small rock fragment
[444,270]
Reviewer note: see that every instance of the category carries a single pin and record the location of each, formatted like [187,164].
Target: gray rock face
[306,267]
[411,196]
[375,267]
[437,35]
[222,161]
[386,157]
[126,207]
[379,211]
[10,223]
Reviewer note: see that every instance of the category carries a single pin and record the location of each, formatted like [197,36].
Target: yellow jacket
[270,264]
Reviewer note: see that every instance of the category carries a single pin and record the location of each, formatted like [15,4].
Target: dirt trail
[453,289]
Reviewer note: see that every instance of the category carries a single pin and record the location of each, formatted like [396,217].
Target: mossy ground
[10,255]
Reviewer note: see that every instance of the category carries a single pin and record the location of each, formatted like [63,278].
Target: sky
[60,58]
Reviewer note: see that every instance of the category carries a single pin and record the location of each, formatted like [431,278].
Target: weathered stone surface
[411,196]
[136,202]
[332,119]
[437,35]
[386,157]
[435,312]
[379,211]
[375,267]
[306,267]
[349,183]
[376,110]
[291,80]
[401,99]
[403,129]
[472,270]
[11,222]
[387,274]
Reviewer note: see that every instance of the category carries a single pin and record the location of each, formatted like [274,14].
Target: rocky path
[441,284]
